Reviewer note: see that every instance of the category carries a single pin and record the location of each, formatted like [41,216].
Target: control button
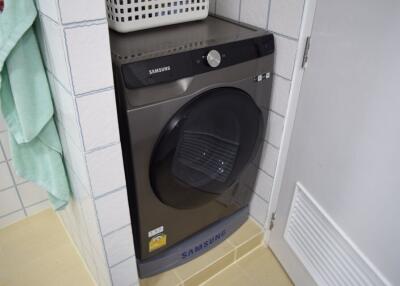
[214,58]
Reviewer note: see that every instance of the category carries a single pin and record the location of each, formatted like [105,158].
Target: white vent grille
[133,15]
[326,252]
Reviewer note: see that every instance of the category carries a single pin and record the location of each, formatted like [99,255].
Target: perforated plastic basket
[132,15]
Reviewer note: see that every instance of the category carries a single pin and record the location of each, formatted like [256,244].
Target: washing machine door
[205,147]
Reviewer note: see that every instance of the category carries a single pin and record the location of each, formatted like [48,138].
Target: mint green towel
[26,104]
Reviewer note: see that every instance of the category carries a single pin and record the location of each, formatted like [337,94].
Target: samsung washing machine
[192,103]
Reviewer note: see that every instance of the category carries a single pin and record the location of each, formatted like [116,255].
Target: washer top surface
[168,40]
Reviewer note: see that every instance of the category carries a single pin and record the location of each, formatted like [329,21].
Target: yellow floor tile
[262,266]
[203,262]
[168,278]
[248,230]
[37,251]
[231,276]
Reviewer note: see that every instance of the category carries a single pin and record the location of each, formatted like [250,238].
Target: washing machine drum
[204,148]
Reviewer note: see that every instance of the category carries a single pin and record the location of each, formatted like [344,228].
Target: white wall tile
[81,10]
[38,208]
[74,157]
[11,218]
[258,209]
[17,179]
[5,176]
[212,6]
[280,95]
[285,56]
[98,118]
[285,17]
[263,185]
[254,12]
[119,245]
[269,159]
[6,144]
[57,60]
[66,112]
[274,129]
[229,9]
[89,57]
[113,211]
[9,201]
[31,193]
[125,273]
[49,8]
[79,190]
[106,169]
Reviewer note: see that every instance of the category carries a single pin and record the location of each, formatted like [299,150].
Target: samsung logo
[203,245]
[158,70]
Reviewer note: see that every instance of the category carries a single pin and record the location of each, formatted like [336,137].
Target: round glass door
[204,147]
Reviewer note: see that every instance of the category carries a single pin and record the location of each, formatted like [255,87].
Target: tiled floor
[37,252]
[258,268]
[240,260]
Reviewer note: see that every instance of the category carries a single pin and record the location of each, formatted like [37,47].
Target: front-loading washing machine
[192,104]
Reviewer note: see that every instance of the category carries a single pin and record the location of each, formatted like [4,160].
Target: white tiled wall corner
[31,194]
[229,9]
[65,110]
[37,208]
[90,70]
[49,8]
[98,119]
[6,145]
[254,12]
[11,218]
[5,176]
[106,169]
[285,17]
[81,10]
[212,6]
[263,185]
[280,95]
[274,129]
[97,249]
[269,159]
[285,56]
[74,156]
[113,211]
[119,245]
[9,201]
[125,273]
[53,35]
[258,209]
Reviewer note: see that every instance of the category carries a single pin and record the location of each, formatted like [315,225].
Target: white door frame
[298,71]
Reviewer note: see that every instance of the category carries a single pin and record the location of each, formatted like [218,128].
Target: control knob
[214,58]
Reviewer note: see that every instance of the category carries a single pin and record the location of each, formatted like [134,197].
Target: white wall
[18,197]
[75,43]
[345,144]
[283,18]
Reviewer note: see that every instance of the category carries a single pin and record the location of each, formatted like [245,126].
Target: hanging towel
[26,104]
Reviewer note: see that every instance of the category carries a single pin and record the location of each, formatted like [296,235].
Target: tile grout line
[11,213]
[95,198]
[116,230]
[14,183]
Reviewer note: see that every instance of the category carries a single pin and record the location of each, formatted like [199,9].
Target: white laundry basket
[132,15]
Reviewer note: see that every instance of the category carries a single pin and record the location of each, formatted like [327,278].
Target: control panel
[185,64]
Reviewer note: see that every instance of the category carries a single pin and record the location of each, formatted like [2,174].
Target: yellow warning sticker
[157,242]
